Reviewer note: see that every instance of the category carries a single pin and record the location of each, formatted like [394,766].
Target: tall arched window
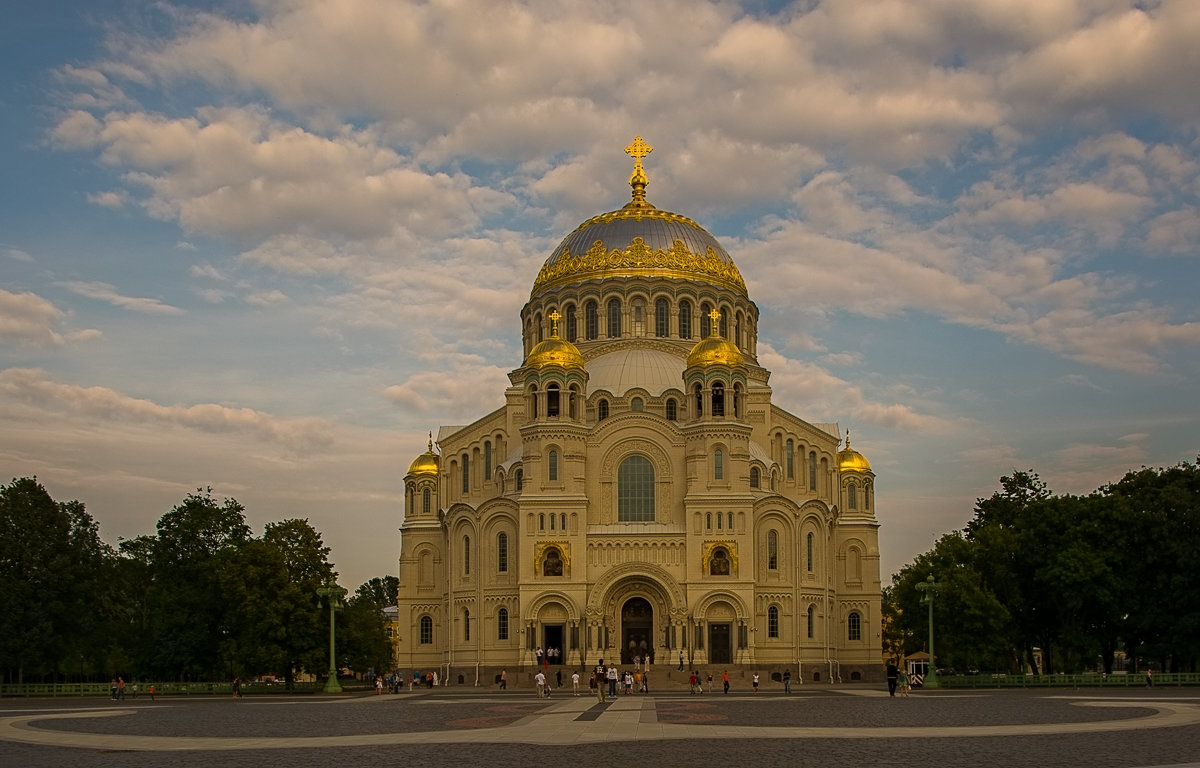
[852,496]
[772,549]
[808,553]
[572,323]
[812,620]
[718,465]
[426,632]
[637,310]
[685,319]
[466,555]
[773,621]
[519,480]
[614,318]
[502,624]
[812,470]
[754,477]
[699,401]
[791,459]
[591,321]
[602,410]
[708,520]
[537,324]
[636,404]
[466,473]
[553,401]
[724,327]
[854,626]
[718,399]
[705,320]
[662,318]
[466,625]
[425,497]
[487,459]
[635,490]
[672,409]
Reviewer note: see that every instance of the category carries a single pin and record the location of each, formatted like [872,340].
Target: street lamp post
[929,588]
[333,593]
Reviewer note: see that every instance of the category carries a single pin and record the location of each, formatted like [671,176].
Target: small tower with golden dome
[421,485]
[715,377]
[857,481]
[554,378]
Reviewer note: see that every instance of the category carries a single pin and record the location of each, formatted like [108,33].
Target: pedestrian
[710,682]
[646,681]
[754,682]
[575,682]
[787,681]
[1149,678]
[692,682]
[628,683]
[637,681]
[893,672]
[902,684]
[504,679]
[681,661]
[120,688]
[598,675]
[540,680]
[611,675]
[725,680]
[539,654]
[237,687]
[134,689]
[378,686]
[112,689]
[151,691]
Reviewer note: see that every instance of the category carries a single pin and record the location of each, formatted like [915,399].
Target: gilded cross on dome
[715,317]
[554,316]
[637,150]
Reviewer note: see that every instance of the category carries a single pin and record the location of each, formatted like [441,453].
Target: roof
[653,370]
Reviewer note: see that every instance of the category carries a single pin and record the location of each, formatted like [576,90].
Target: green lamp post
[334,594]
[928,589]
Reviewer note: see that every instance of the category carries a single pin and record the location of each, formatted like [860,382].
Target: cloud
[30,320]
[464,392]
[106,292]
[34,386]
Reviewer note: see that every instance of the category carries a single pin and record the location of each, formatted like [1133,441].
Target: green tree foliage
[1080,577]
[303,628]
[54,598]
[382,591]
[364,642]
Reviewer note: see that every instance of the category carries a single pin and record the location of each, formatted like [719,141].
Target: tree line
[201,599]
[1087,580]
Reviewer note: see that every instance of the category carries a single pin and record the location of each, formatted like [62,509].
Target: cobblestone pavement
[843,726]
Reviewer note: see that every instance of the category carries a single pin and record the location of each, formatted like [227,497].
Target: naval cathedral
[639,494]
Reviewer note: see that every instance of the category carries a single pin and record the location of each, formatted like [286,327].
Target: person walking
[725,680]
[787,681]
[598,675]
[540,680]
[710,682]
[681,661]
[692,682]
[902,683]
[893,673]
[611,675]
[575,682]
[754,682]
[504,679]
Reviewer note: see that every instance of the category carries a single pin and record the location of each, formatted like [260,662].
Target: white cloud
[107,293]
[29,319]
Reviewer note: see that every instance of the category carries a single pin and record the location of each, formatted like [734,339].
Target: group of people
[697,682]
[548,656]
[897,680]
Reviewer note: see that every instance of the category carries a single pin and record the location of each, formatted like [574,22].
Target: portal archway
[637,629]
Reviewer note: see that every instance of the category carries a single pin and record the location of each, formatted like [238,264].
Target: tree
[304,625]
[382,591]
[53,577]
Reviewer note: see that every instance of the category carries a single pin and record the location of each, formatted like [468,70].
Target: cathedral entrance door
[637,629]
[720,645]
[554,639]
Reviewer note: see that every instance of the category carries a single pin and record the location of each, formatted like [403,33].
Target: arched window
[533,402]
[724,321]
[542,521]
[772,549]
[426,630]
[718,399]
[685,319]
[635,490]
[852,496]
[572,399]
[705,320]
[553,521]
[636,404]
[537,324]
[866,496]
[552,464]
[672,409]
[552,562]
[502,624]
[466,555]
[552,401]
[729,517]
[718,465]
[602,410]
[699,401]
[773,621]
[791,459]
[638,320]
[614,318]
[812,470]
[425,496]
[808,553]
[754,481]
[519,480]
[812,620]
[572,323]
[562,521]
[466,625]
[662,318]
[466,473]
[718,564]
[591,321]
[502,552]
[487,459]
[720,521]
[854,626]
[708,520]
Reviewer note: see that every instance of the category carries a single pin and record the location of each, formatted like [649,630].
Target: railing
[54,690]
[1088,680]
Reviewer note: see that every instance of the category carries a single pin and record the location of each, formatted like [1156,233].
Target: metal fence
[54,690]
[1089,680]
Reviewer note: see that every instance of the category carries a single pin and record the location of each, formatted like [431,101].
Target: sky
[266,246]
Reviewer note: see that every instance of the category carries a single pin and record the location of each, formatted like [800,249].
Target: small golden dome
[555,351]
[715,350]
[427,463]
[850,460]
